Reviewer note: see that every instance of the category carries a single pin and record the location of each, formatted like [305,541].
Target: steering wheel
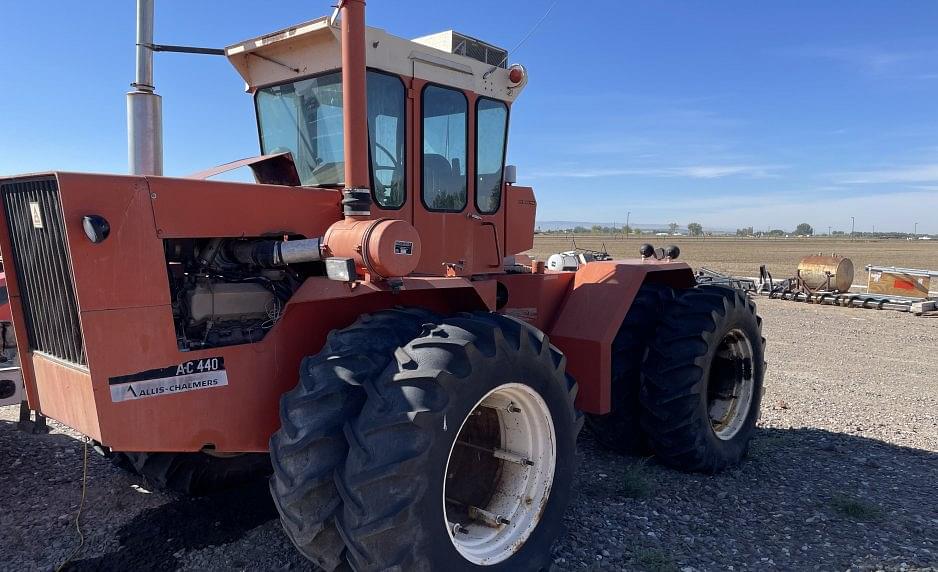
[395,167]
[395,163]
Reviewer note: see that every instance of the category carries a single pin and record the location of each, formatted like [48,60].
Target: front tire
[703,379]
[310,445]
[464,452]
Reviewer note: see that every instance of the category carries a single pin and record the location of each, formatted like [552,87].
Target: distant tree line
[803,229]
[595,229]
[696,229]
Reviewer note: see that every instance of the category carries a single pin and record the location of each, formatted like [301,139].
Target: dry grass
[855,508]
[636,482]
[742,257]
[655,560]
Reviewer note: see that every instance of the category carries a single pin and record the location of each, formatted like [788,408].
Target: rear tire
[620,430]
[310,444]
[194,474]
[702,380]
[407,486]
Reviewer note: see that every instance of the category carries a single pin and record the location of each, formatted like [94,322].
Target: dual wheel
[688,370]
[415,442]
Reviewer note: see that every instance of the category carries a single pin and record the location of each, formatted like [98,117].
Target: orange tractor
[361,323]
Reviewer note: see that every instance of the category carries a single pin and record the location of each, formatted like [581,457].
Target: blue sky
[729,113]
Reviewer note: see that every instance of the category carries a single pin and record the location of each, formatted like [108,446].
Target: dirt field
[742,257]
[841,476]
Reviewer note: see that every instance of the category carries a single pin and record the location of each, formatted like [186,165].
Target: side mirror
[511,174]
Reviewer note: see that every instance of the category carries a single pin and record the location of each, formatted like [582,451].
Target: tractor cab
[437,132]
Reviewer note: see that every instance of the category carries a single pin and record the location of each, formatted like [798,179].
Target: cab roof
[315,47]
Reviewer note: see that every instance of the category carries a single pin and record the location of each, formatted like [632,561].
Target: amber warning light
[517,74]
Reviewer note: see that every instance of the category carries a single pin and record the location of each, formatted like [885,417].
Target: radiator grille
[43,271]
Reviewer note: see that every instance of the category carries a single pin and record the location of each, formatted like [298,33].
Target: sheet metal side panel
[66,394]
[128,268]
[536,298]
[189,208]
[242,415]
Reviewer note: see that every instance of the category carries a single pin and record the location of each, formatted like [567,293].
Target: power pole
[853,222]
[628,230]
[915,232]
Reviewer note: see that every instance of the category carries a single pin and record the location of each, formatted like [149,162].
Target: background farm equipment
[828,279]
[905,282]
[815,274]
[12,389]
[708,276]
[11,380]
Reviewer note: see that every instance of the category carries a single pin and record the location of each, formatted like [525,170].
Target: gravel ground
[843,474]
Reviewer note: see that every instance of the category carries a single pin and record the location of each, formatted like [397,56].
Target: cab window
[491,136]
[305,118]
[387,139]
[445,130]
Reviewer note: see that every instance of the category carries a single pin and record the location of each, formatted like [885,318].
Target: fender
[589,317]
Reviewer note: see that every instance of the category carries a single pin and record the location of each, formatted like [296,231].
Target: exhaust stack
[144,106]
[357,195]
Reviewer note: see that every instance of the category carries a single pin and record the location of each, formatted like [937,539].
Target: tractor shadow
[124,528]
[802,498]
[840,496]
[157,538]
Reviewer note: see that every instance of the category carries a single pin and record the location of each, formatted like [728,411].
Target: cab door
[443,215]
[490,138]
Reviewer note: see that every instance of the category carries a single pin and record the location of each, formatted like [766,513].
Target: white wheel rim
[521,453]
[730,392]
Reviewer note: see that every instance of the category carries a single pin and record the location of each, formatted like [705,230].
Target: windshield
[305,118]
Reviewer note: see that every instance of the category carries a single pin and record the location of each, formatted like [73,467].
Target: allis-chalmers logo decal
[35,212]
[187,376]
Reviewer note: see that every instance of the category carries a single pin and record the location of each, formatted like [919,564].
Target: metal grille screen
[43,271]
[470,47]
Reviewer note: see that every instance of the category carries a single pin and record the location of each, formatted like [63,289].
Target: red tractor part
[362,321]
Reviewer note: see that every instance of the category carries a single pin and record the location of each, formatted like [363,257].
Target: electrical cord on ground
[81,505]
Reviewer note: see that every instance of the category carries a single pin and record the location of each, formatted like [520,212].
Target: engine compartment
[226,291]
